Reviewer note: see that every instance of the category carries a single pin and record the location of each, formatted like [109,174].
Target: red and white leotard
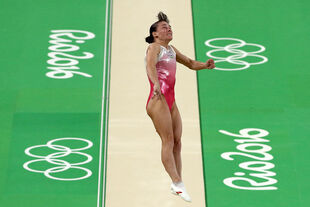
[166,69]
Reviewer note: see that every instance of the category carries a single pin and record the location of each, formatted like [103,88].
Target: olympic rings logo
[54,158]
[238,54]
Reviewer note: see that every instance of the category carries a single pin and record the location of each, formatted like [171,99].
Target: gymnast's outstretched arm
[193,64]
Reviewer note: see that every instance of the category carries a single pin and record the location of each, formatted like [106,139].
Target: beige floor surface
[135,174]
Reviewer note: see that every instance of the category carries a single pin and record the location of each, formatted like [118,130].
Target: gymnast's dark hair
[161,18]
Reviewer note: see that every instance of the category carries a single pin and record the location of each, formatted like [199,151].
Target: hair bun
[162,17]
[149,39]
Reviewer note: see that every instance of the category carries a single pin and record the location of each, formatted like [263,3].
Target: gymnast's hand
[156,91]
[210,64]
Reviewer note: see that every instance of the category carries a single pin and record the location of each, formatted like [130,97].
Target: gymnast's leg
[177,132]
[159,112]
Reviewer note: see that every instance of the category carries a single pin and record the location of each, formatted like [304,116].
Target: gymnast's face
[163,32]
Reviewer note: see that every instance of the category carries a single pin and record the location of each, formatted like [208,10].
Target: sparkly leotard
[166,69]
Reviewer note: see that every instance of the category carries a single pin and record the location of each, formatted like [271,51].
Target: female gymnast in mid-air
[161,61]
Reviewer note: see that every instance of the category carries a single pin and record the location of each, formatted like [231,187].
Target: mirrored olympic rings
[237,53]
[53,158]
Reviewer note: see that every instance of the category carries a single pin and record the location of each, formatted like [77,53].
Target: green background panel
[35,108]
[273,96]
[37,129]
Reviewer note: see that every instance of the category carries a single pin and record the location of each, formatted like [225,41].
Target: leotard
[166,69]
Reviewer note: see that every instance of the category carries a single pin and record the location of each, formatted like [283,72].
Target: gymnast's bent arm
[193,64]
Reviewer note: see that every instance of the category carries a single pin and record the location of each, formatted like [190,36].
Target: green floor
[53,84]
[272,97]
